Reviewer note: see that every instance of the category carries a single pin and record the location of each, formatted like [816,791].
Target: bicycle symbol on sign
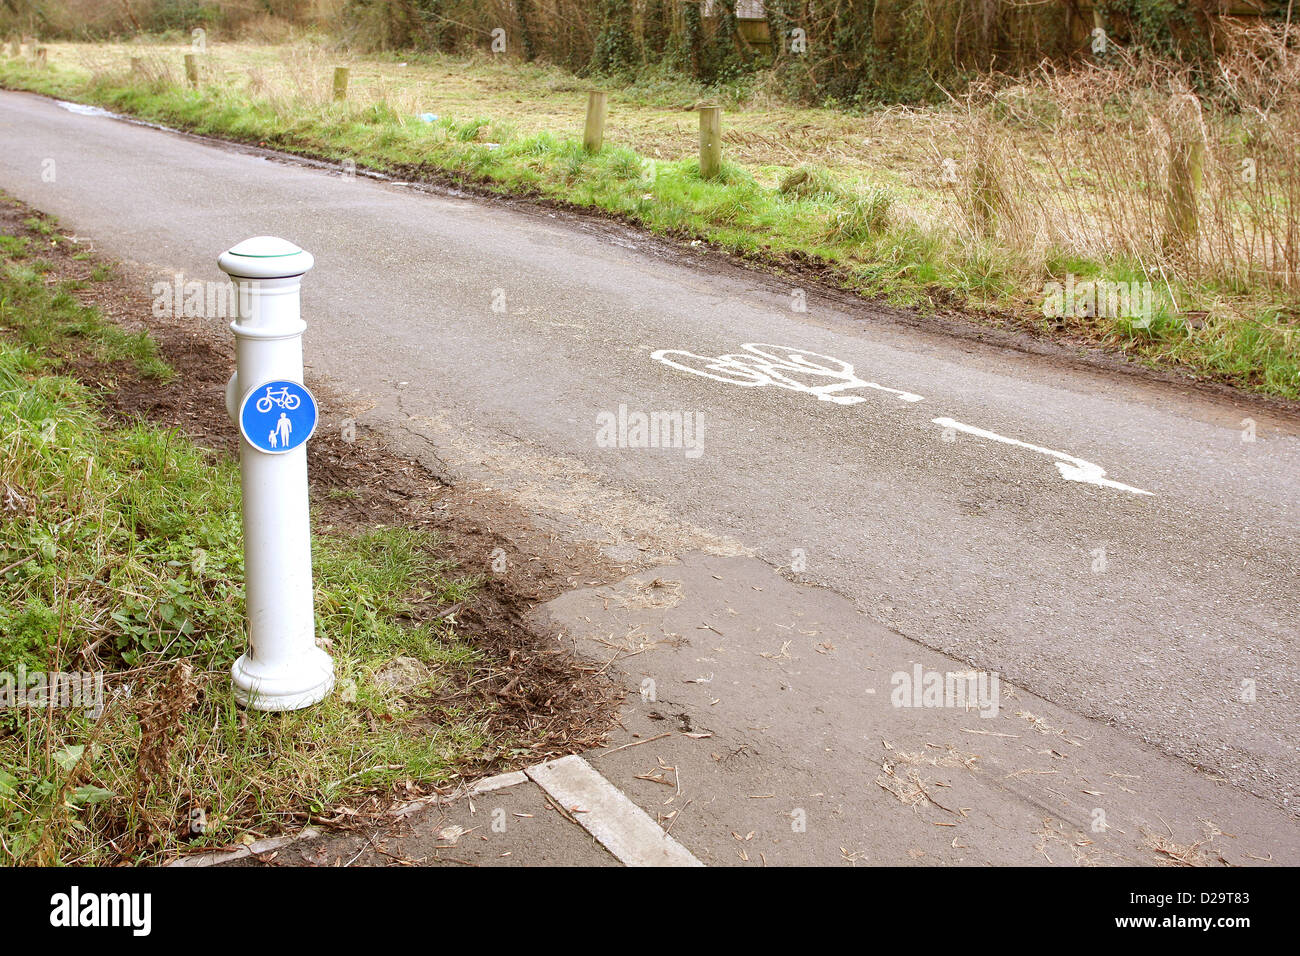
[282,398]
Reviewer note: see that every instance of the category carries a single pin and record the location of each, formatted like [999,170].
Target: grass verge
[121,555]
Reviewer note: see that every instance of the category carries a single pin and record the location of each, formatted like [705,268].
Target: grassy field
[121,552]
[984,204]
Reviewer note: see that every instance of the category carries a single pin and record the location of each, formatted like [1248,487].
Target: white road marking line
[1071,468]
[607,814]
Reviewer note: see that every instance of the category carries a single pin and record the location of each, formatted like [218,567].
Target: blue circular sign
[278,416]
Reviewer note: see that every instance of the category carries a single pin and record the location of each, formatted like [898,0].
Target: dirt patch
[657,593]
[543,695]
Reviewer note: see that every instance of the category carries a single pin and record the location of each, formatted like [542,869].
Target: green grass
[850,223]
[123,554]
[49,320]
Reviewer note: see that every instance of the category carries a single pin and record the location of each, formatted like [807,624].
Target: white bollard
[283,668]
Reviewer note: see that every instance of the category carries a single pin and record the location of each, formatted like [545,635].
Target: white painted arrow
[1071,468]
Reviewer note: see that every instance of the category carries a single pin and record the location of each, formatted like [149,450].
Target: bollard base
[308,682]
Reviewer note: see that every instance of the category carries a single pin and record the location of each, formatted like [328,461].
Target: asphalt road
[1148,611]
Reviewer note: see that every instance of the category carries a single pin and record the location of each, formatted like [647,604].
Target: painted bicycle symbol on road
[826,377]
[782,366]
[277,399]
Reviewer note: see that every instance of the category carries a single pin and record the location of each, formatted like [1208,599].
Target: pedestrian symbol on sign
[280,433]
[277,417]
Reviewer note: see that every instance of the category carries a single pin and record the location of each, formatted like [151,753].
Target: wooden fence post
[340,82]
[597,109]
[192,70]
[710,141]
[1186,166]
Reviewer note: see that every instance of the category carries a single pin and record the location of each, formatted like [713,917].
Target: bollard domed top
[265,257]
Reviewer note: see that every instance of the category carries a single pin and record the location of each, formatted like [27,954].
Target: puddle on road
[82,109]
